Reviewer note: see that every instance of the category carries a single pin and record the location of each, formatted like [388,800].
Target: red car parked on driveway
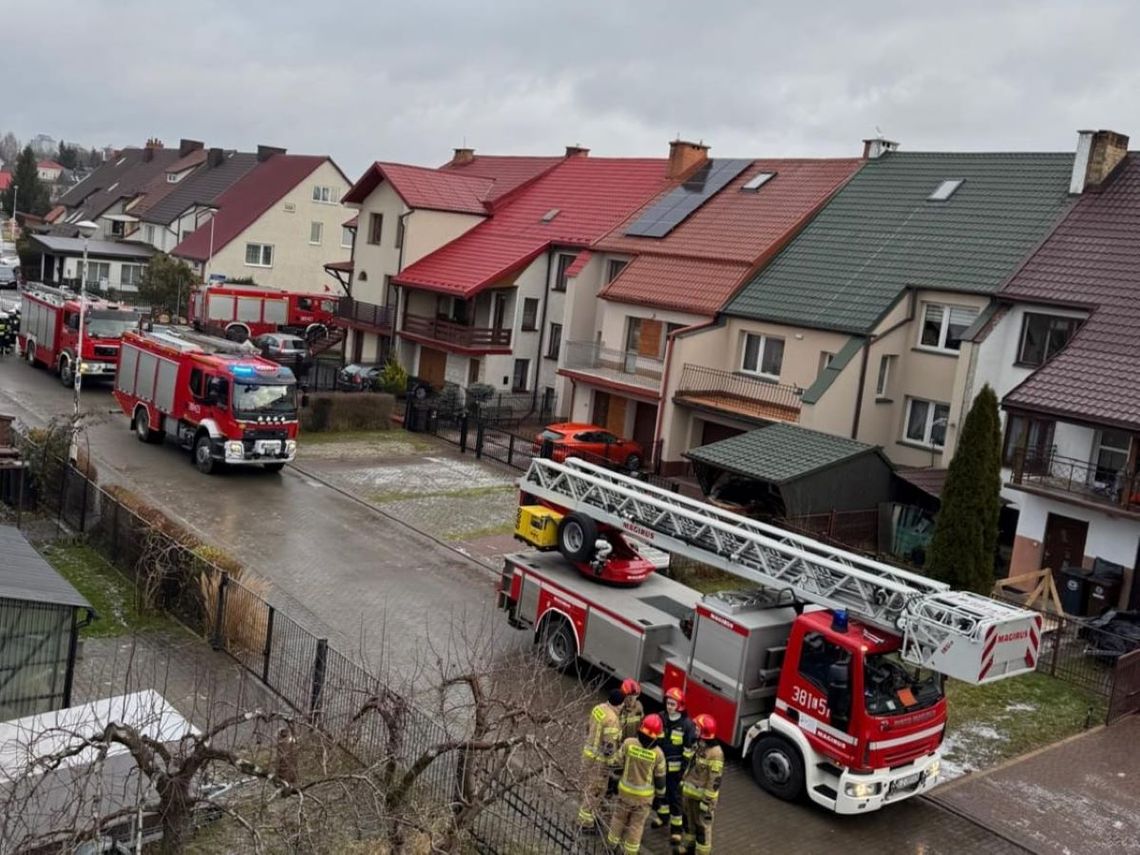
[590,442]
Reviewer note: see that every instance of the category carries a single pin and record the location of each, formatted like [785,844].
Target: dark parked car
[358,377]
[284,348]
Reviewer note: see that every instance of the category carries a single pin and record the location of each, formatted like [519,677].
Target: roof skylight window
[551,214]
[757,181]
[946,189]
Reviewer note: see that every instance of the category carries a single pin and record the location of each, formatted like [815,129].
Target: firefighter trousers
[698,828]
[628,824]
[669,806]
[595,777]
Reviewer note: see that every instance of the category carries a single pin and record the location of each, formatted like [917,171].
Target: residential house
[1060,350]
[111,264]
[671,265]
[5,179]
[855,327]
[49,171]
[404,213]
[278,224]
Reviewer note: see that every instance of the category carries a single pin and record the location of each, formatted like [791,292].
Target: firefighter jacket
[631,714]
[702,778]
[642,772]
[603,735]
[677,743]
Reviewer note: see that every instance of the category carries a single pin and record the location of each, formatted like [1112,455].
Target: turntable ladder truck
[827,676]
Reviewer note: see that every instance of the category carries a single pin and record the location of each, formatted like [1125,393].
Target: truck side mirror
[839,694]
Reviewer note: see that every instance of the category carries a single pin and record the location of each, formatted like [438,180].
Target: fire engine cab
[828,675]
[216,397]
[240,312]
[49,332]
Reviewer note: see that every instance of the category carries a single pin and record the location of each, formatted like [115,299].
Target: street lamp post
[86,229]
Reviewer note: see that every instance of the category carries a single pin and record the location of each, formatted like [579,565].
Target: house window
[258,255]
[564,262]
[926,422]
[98,272]
[521,375]
[763,355]
[1035,436]
[131,275]
[316,232]
[1042,336]
[149,232]
[326,195]
[555,341]
[942,326]
[399,232]
[1111,455]
[530,314]
[614,269]
[886,368]
[346,236]
[375,227]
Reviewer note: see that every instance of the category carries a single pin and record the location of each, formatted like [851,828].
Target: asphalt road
[376,588]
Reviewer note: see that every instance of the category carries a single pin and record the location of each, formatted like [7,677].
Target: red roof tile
[590,196]
[508,172]
[248,199]
[1092,259]
[737,230]
[424,188]
[578,264]
[49,164]
[5,180]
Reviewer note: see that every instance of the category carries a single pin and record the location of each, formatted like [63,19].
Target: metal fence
[331,689]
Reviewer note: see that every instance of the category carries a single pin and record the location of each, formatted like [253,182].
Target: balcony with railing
[1076,481]
[451,335]
[587,360]
[365,316]
[732,393]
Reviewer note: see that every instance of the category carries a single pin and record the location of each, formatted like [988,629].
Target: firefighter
[632,712]
[677,744]
[700,788]
[642,780]
[7,334]
[603,738]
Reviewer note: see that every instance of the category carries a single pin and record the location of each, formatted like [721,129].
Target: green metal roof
[881,234]
[779,452]
[834,368]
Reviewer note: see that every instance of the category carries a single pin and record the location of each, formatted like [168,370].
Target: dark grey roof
[25,575]
[200,188]
[122,176]
[59,245]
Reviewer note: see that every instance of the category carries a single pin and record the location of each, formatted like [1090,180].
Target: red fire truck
[49,332]
[216,397]
[828,676]
[240,312]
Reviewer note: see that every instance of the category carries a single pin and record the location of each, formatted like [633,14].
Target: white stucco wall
[1111,538]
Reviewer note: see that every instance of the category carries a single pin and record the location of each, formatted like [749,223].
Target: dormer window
[946,189]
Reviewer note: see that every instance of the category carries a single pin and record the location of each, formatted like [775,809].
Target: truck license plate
[268,446]
[908,782]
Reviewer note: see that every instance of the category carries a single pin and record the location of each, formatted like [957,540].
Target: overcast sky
[365,79]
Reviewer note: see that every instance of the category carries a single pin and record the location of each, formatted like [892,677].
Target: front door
[644,424]
[1064,543]
[498,310]
[357,346]
[433,366]
[601,411]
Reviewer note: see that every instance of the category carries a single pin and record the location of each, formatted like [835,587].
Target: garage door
[433,365]
[712,432]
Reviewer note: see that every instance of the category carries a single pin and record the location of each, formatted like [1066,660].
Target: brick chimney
[186,146]
[215,157]
[577,151]
[462,155]
[683,156]
[264,152]
[1098,154]
[875,148]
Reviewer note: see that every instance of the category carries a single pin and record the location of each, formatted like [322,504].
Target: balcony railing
[1076,479]
[738,394]
[457,335]
[357,313]
[618,366]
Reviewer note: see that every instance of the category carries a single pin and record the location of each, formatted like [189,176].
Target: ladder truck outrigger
[827,676]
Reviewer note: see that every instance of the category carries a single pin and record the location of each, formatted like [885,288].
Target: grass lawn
[108,591]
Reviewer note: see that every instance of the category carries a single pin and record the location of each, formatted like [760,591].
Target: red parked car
[590,442]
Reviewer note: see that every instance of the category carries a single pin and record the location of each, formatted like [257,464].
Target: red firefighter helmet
[630,686]
[677,695]
[652,726]
[706,726]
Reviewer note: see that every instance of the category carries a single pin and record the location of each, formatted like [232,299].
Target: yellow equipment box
[538,526]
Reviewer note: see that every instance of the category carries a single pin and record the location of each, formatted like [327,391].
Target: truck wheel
[558,647]
[273,467]
[143,429]
[237,333]
[66,375]
[576,536]
[202,459]
[778,767]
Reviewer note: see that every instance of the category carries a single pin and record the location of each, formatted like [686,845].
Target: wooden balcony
[450,335]
[734,394]
[1076,481]
[360,315]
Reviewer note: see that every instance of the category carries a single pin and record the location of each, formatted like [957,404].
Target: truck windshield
[259,399]
[103,324]
[892,686]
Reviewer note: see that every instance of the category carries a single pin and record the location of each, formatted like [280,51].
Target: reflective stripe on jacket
[678,741]
[631,713]
[603,734]
[702,779]
[642,772]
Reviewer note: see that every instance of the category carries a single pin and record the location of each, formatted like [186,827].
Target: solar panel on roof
[681,201]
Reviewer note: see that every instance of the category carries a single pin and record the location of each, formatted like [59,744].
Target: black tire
[559,648]
[576,537]
[237,333]
[66,374]
[143,430]
[778,767]
[273,467]
[202,457]
[633,463]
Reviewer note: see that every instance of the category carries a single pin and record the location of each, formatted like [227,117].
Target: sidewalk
[1078,796]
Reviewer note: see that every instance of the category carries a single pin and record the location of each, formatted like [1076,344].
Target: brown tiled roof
[1092,260]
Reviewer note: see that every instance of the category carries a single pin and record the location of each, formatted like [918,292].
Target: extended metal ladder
[948,631]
